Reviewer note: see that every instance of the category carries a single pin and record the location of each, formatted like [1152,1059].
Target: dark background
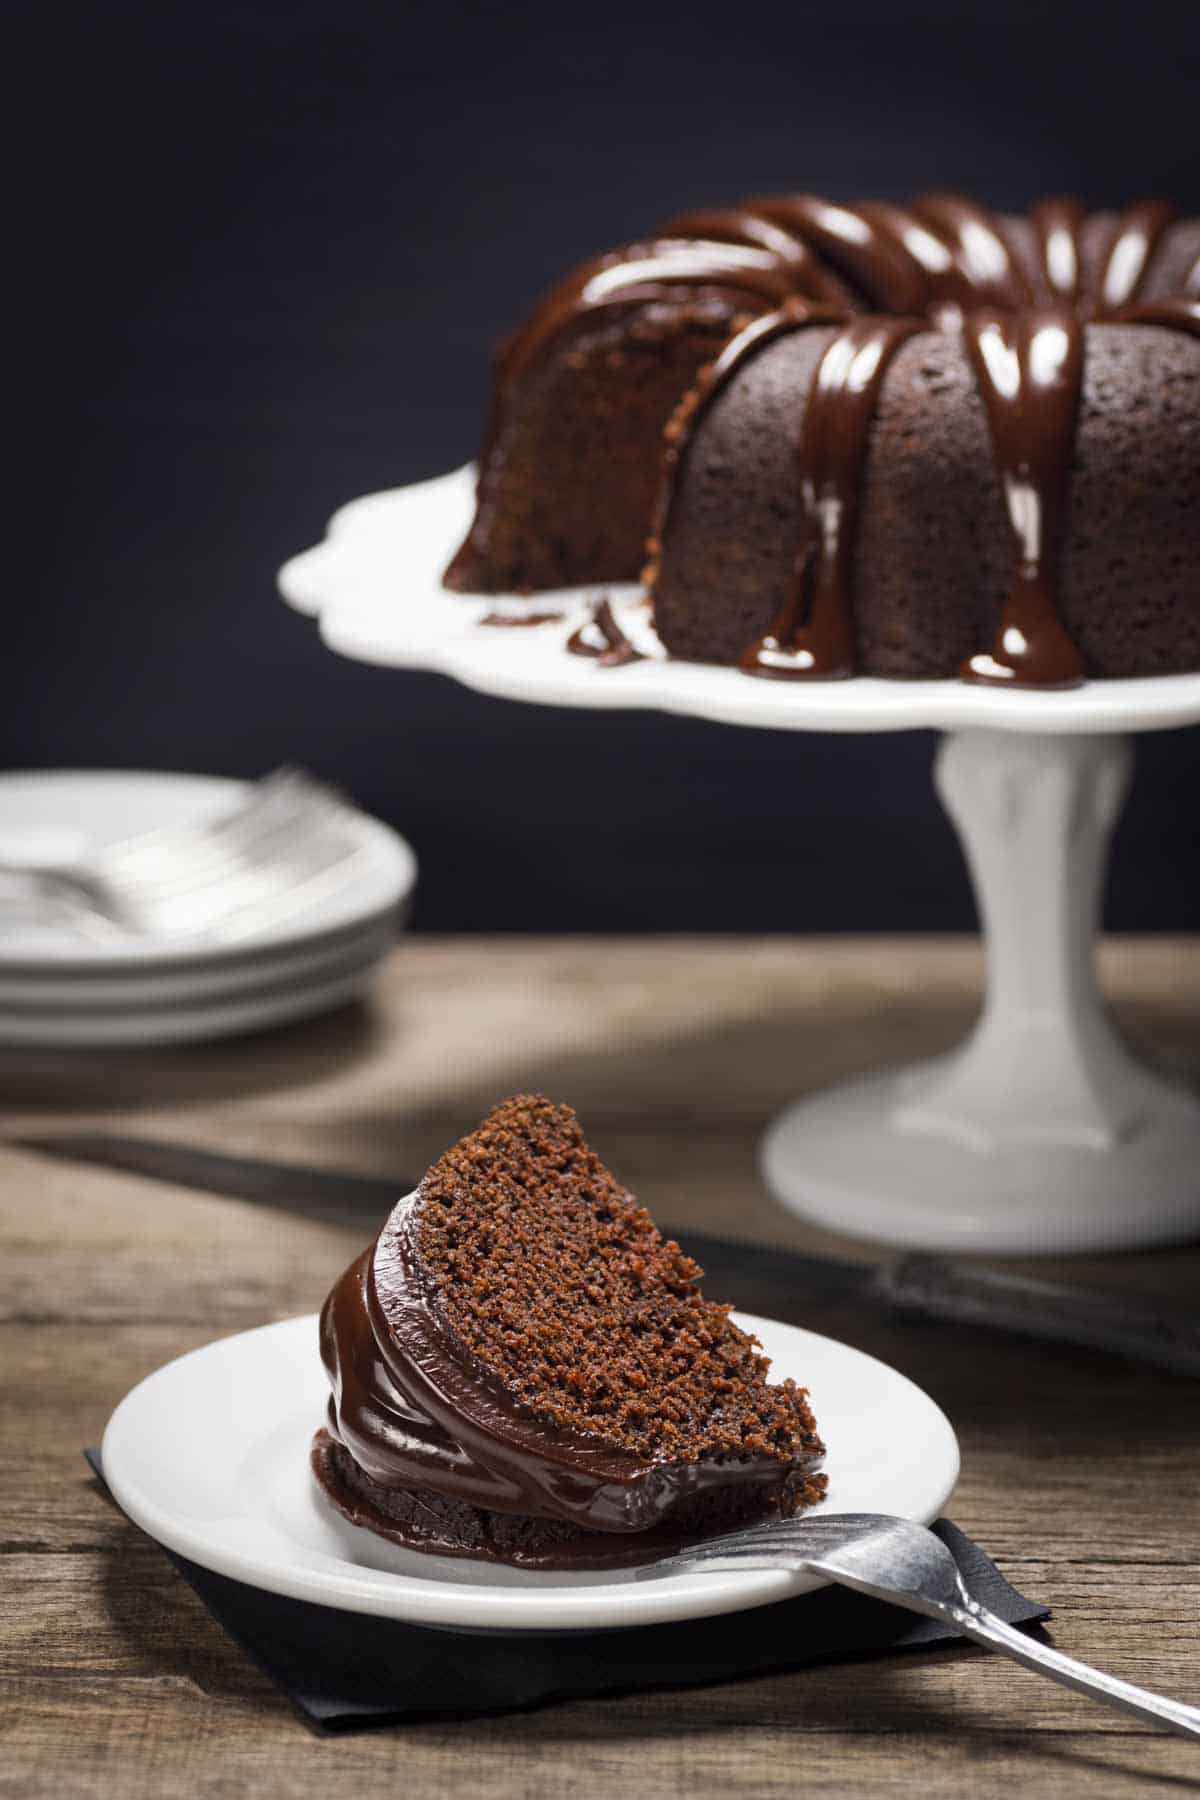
[268,248]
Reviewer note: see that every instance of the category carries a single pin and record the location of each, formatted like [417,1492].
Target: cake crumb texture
[562,1287]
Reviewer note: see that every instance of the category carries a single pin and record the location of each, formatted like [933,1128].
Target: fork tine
[283,793]
[809,1527]
[183,854]
[702,1559]
[801,1538]
[284,846]
[187,867]
[287,844]
[905,1564]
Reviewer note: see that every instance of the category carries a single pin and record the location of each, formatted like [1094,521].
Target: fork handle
[976,1622]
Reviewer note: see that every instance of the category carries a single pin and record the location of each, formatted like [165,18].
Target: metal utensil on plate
[285,846]
[896,1560]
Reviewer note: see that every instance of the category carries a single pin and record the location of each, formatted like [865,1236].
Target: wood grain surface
[1081,1473]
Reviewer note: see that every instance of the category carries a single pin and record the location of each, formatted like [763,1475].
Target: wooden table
[1081,1474]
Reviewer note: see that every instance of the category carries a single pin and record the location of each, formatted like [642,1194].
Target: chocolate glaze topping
[1018,291]
[749,336]
[601,636]
[863,250]
[1135,239]
[746,271]
[643,272]
[1176,315]
[767,229]
[965,269]
[1029,366]
[915,240]
[1058,223]
[985,265]
[415,1410]
[521,618]
[814,633]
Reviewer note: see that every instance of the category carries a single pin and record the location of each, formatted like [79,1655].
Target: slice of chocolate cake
[524,1369]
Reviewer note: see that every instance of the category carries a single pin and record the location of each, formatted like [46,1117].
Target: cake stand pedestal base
[1042,1134]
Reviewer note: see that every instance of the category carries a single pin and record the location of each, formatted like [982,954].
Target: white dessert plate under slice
[210,1456]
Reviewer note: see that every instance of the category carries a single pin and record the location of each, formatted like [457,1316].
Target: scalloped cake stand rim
[374,586]
[839,1157]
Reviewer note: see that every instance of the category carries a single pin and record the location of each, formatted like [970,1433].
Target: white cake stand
[1041,1133]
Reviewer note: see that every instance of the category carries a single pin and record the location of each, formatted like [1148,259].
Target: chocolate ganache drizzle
[415,1410]
[748,271]
[1019,291]
[1058,223]
[1130,251]
[601,636]
[814,633]
[1029,366]
[648,271]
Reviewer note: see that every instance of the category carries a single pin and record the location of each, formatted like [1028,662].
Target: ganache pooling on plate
[879,274]
[432,1439]
[602,637]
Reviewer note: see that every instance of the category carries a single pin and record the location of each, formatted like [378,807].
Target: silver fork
[893,1559]
[282,848]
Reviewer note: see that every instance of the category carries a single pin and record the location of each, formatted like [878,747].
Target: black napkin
[347,1670]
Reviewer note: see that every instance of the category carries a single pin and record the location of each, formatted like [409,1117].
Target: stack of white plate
[59,990]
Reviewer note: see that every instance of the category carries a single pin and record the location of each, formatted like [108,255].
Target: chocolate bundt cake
[908,442]
[524,1369]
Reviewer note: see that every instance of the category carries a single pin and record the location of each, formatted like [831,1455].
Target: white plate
[196,1024]
[90,808]
[210,1456]
[375,585]
[90,992]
